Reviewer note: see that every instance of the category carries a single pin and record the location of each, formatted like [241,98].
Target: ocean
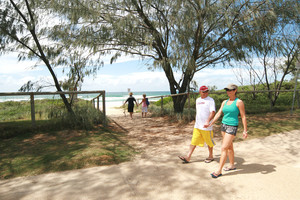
[113,99]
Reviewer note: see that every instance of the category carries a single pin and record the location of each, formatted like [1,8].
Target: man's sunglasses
[229,90]
[205,91]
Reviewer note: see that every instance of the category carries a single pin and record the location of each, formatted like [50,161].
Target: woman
[231,108]
[130,101]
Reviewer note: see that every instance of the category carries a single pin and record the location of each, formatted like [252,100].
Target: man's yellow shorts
[200,136]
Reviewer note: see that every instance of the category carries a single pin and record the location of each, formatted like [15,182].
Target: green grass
[50,114]
[44,109]
[59,141]
[44,152]
[266,124]
[24,127]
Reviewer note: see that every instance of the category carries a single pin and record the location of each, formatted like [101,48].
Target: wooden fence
[32,94]
[102,94]
[98,102]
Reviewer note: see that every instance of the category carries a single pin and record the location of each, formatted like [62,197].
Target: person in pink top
[205,111]
[144,106]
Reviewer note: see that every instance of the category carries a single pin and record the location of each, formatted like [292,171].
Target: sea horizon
[112,99]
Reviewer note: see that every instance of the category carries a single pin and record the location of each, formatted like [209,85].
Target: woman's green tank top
[231,113]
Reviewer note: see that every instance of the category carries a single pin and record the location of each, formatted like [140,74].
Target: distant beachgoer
[205,111]
[231,108]
[130,101]
[145,104]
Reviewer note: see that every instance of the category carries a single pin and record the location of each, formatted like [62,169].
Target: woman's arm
[241,106]
[216,116]
[142,101]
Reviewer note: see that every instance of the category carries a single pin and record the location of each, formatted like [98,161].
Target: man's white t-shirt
[203,108]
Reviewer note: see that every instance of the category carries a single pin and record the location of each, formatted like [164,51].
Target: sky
[126,73]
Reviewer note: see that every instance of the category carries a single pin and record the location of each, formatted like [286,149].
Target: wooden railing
[32,94]
[98,102]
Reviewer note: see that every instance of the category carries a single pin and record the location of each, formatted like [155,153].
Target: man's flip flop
[229,169]
[214,175]
[208,160]
[183,159]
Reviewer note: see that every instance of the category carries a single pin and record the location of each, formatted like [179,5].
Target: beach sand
[267,168]
[115,111]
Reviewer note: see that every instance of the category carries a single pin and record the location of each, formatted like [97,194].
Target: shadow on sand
[250,168]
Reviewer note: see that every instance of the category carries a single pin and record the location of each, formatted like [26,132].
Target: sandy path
[268,168]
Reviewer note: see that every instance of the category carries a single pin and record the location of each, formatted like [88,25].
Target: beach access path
[267,168]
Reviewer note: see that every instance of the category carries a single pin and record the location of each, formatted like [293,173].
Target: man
[205,111]
[130,101]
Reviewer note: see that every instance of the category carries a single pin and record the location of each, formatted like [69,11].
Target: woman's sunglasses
[229,90]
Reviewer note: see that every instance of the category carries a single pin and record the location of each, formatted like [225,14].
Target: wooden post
[103,105]
[161,105]
[32,110]
[298,99]
[295,88]
[98,103]
[189,105]
[189,102]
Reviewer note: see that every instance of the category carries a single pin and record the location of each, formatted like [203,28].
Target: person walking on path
[130,101]
[205,111]
[145,104]
[231,108]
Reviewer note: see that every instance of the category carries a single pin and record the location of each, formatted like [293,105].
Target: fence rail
[32,94]
[98,100]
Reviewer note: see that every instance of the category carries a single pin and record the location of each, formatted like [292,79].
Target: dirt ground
[267,168]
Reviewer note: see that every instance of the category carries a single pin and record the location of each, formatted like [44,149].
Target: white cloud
[10,65]
[156,81]
[140,81]
[10,83]
[215,77]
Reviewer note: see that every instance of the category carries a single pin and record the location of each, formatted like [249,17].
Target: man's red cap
[203,88]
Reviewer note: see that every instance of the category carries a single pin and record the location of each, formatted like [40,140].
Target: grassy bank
[58,142]
[50,115]
[266,124]
[44,152]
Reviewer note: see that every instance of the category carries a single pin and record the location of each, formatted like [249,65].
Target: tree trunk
[63,96]
[178,101]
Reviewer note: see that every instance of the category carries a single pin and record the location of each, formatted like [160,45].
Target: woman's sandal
[208,160]
[229,168]
[214,175]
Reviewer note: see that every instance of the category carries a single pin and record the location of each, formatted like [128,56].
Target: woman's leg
[231,156]
[226,143]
